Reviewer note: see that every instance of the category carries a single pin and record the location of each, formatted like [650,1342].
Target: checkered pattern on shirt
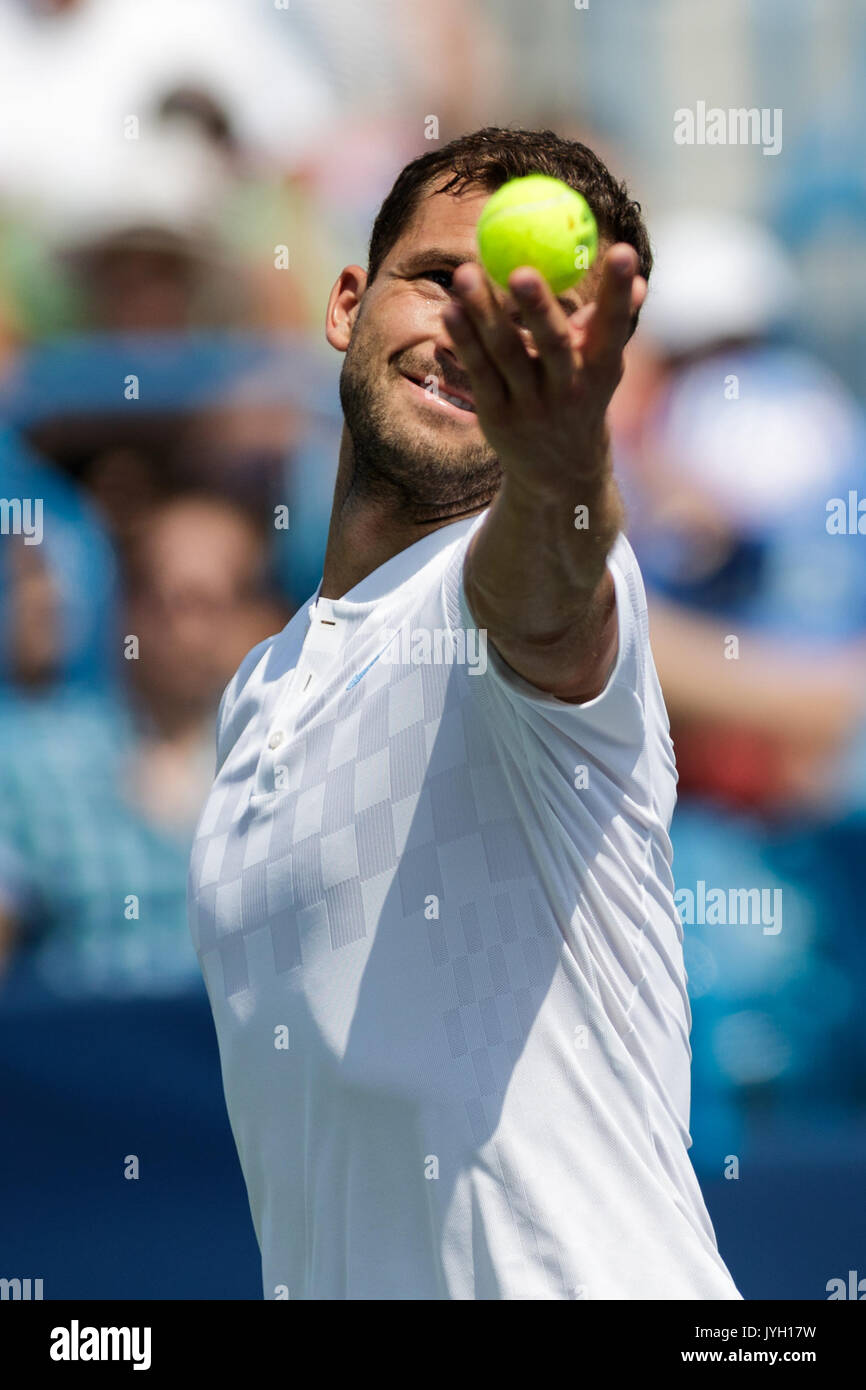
[394,787]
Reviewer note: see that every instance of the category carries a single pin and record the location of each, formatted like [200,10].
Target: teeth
[455,400]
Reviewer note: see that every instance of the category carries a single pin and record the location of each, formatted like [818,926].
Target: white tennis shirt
[434,911]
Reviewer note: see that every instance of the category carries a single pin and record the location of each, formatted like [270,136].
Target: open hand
[542,407]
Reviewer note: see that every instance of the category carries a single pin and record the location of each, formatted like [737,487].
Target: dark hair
[492,156]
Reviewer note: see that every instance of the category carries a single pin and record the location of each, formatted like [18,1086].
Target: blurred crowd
[180,183]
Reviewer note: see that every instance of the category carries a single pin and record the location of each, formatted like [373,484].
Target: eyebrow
[434,255]
[439,256]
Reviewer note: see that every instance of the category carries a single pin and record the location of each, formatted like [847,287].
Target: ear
[343,305]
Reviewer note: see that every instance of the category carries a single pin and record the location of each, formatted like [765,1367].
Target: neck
[366,531]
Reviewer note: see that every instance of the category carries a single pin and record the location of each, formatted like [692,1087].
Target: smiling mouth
[463,403]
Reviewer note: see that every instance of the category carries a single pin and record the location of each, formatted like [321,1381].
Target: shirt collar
[394,572]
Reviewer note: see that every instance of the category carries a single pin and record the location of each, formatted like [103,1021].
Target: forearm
[536,577]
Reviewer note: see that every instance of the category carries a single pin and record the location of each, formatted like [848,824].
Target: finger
[489,389]
[610,325]
[549,325]
[495,330]
[580,318]
[579,322]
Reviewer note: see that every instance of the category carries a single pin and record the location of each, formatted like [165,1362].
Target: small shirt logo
[359,674]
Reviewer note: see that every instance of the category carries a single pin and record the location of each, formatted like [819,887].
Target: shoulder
[623,697]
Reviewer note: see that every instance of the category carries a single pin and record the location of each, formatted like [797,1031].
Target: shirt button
[275,739]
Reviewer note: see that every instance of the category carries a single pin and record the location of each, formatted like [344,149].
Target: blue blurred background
[166,389]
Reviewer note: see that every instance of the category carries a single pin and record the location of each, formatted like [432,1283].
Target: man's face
[401,366]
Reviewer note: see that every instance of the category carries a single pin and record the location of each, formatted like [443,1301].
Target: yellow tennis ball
[537,221]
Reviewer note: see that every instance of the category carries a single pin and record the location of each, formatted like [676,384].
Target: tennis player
[431,889]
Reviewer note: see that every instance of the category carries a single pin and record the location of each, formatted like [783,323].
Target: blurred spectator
[58,596]
[738,447]
[151,259]
[72,75]
[240,444]
[144,135]
[403,77]
[451,61]
[731,445]
[99,795]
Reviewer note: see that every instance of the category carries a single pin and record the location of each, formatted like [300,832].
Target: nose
[443,342]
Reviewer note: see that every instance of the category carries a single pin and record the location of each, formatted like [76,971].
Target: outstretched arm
[535,576]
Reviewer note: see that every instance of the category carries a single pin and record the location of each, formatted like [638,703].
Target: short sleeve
[618,712]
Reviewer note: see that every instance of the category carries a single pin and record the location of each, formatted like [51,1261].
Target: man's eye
[444,275]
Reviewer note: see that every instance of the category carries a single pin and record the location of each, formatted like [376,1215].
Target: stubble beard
[411,472]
